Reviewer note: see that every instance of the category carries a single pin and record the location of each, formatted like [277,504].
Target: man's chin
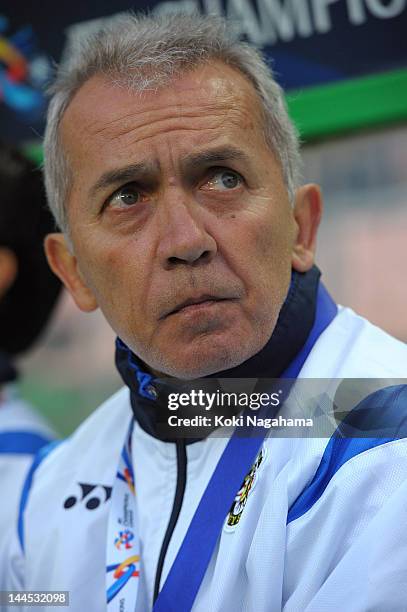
[201,363]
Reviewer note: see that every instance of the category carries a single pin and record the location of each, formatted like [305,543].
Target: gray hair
[145,51]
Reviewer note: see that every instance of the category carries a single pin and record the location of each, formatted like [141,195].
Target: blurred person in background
[28,294]
[173,171]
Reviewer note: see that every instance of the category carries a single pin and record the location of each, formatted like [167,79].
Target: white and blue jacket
[323,528]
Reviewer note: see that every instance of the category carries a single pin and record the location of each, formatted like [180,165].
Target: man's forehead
[102,102]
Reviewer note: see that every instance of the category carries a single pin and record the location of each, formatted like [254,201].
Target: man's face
[181,226]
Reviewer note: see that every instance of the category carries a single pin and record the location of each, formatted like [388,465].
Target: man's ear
[307,214]
[8,269]
[64,264]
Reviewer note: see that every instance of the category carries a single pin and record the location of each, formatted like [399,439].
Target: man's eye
[224,180]
[125,196]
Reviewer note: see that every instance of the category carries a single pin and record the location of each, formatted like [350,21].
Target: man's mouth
[195,304]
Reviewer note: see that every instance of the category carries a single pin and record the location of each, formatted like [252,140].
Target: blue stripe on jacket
[44,452]
[379,418]
[21,442]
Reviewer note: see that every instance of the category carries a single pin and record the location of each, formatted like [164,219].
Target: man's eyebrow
[119,176]
[141,170]
[214,156]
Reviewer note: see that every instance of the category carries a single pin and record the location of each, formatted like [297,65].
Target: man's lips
[190,303]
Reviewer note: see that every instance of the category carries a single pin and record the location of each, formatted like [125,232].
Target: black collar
[294,323]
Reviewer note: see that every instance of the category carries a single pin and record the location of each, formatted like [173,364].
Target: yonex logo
[91,495]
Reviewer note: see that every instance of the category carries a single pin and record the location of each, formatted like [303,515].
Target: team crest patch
[240,501]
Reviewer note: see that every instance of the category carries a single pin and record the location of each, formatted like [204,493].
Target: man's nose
[184,239]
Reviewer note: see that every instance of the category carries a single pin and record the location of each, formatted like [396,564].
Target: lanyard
[123,540]
[123,546]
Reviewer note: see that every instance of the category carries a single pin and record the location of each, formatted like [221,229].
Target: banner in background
[316,47]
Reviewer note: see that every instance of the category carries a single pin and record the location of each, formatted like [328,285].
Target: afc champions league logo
[124,538]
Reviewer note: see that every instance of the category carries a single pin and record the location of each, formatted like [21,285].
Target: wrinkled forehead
[108,109]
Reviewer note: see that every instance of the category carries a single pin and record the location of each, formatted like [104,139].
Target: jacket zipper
[176,509]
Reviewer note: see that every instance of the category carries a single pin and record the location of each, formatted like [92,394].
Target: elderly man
[173,172]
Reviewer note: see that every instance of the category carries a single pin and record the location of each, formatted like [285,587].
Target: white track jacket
[343,549]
